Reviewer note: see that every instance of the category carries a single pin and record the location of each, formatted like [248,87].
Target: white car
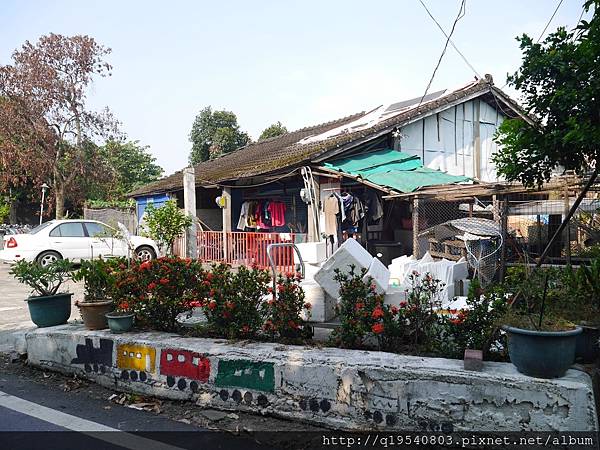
[75,240]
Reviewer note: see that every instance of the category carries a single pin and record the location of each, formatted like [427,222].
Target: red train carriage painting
[182,363]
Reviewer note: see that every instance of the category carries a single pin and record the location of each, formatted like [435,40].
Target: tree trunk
[59,194]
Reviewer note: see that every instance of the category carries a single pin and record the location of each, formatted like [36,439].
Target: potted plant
[99,282]
[49,307]
[120,320]
[540,343]
[583,297]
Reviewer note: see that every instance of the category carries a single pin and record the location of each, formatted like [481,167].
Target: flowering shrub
[473,327]
[363,313]
[232,303]
[157,291]
[282,312]
[361,309]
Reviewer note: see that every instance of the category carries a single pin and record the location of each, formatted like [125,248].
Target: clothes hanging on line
[261,214]
[331,208]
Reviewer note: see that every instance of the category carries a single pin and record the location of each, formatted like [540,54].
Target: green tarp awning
[393,169]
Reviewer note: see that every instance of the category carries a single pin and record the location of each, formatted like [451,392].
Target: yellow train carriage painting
[132,358]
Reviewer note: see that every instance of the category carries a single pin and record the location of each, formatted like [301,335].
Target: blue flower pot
[542,354]
[51,310]
[119,323]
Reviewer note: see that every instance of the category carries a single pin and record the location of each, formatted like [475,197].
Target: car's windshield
[41,227]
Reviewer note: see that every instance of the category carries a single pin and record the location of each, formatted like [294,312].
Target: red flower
[212,305]
[194,304]
[124,305]
[360,305]
[403,304]
[377,313]
[293,324]
[394,310]
[211,293]
[152,285]
[145,265]
[209,276]
[206,283]
[377,328]
[230,305]
[289,275]
[307,305]
[280,287]
[270,290]
[163,281]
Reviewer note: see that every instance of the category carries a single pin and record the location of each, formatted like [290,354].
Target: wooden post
[415,223]
[504,234]
[476,140]
[226,195]
[567,235]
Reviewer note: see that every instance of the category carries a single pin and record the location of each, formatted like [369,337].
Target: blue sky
[300,62]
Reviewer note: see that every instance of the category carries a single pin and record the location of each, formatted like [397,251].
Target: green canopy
[393,169]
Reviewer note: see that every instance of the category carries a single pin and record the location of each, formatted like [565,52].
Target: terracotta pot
[93,314]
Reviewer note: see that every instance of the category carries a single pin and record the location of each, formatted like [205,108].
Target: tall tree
[45,122]
[132,167]
[214,133]
[560,83]
[277,129]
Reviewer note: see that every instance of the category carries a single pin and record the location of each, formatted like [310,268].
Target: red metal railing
[247,248]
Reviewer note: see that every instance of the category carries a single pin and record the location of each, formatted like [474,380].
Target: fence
[248,248]
[492,232]
[112,216]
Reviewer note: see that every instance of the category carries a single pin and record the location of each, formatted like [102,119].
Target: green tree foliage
[132,166]
[277,129]
[4,210]
[560,83]
[167,223]
[214,133]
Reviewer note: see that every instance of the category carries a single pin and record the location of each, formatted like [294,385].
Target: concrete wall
[345,389]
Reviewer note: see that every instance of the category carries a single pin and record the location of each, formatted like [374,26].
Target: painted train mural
[235,380]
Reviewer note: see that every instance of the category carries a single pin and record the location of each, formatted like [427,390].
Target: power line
[546,27]
[461,14]
[549,21]
[450,40]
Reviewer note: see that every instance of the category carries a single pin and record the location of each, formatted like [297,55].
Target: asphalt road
[35,416]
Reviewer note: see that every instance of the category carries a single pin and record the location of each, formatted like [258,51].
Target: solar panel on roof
[413,101]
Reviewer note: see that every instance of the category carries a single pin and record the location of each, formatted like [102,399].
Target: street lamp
[45,187]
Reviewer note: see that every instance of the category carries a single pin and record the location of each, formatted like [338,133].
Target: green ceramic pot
[51,310]
[119,323]
[542,354]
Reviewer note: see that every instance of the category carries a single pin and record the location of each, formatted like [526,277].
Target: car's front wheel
[48,257]
[145,253]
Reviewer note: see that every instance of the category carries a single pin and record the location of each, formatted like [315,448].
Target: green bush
[167,223]
[233,302]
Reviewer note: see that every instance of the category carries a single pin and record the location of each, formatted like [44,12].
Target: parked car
[75,240]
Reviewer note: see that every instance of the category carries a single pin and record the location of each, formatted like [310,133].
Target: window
[70,229]
[95,229]
[41,227]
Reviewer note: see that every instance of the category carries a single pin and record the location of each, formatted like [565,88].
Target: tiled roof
[287,151]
